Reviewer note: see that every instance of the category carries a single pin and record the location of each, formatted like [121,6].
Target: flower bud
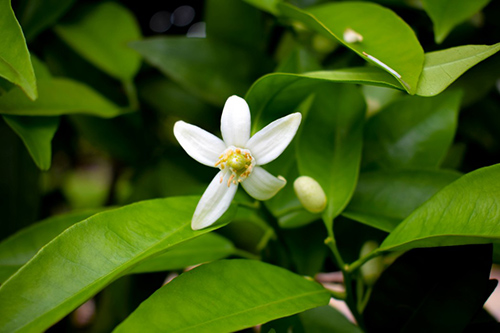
[372,269]
[310,194]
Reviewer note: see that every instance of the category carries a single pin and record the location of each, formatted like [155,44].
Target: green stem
[358,263]
[245,254]
[341,295]
[131,93]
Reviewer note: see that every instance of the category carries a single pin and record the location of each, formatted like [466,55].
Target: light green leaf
[225,296]
[37,15]
[412,132]
[16,250]
[102,35]
[57,97]
[37,134]
[208,68]
[91,254]
[15,63]
[392,46]
[465,212]
[383,199]
[208,247]
[329,143]
[442,68]
[446,14]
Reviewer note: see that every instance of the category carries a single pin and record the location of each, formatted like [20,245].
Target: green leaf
[465,212]
[225,296]
[412,132]
[392,46]
[208,247]
[91,254]
[16,250]
[57,97]
[383,199]
[442,68]
[15,63]
[329,144]
[326,319]
[446,14]
[431,290]
[37,134]
[210,69]
[269,6]
[103,41]
[37,15]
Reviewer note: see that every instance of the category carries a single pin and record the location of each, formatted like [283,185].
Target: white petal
[235,122]
[261,185]
[198,143]
[214,202]
[269,142]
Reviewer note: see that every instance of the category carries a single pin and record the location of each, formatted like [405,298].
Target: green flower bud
[372,269]
[310,194]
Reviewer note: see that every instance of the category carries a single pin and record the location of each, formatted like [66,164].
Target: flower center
[238,161]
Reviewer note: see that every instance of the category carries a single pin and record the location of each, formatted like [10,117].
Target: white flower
[238,157]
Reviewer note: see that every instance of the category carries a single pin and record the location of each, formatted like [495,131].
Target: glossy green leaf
[210,69]
[446,14]
[225,296]
[16,250]
[329,144]
[392,46]
[208,247]
[326,319]
[91,254]
[465,212]
[37,134]
[442,68]
[412,132]
[15,63]
[104,41]
[38,15]
[57,97]
[383,199]
[431,290]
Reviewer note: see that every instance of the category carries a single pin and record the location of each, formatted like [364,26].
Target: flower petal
[198,143]
[214,202]
[235,122]
[261,185]
[269,142]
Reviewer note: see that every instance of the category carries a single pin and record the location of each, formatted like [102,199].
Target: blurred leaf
[401,52]
[90,255]
[15,63]
[329,144]
[431,290]
[210,69]
[412,132]
[37,134]
[299,60]
[38,15]
[383,199]
[225,296]
[16,250]
[206,248]
[57,97]
[103,41]
[446,14]
[266,5]
[465,212]
[326,319]
[443,67]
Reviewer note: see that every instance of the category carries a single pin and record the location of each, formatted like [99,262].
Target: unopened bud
[372,269]
[310,194]
[351,36]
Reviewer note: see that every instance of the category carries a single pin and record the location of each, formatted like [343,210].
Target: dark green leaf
[225,296]
[446,14]
[392,46]
[326,319]
[58,97]
[103,41]
[15,63]
[37,134]
[383,199]
[412,132]
[91,254]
